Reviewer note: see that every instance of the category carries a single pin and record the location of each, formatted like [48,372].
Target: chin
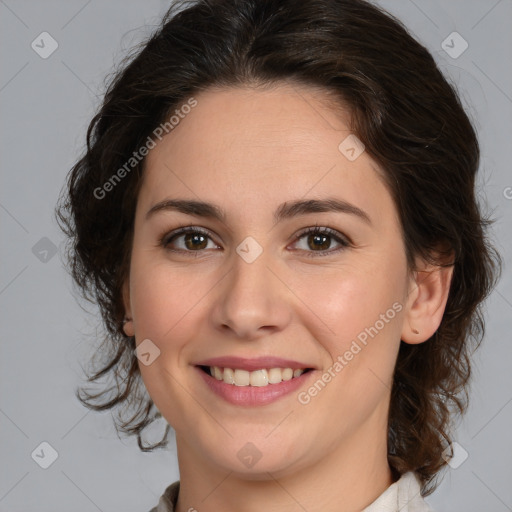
[254,460]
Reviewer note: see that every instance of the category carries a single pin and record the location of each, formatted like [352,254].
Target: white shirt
[401,496]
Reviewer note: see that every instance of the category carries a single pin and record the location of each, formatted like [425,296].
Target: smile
[253,382]
[257,378]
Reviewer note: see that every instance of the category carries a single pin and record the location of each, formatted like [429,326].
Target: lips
[255,381]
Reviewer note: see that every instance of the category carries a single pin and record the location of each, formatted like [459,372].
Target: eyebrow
[286,210]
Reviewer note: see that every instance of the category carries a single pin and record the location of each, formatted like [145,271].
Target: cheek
[163,296]
[350,301]
[362,305]
[364,316]
[165,304]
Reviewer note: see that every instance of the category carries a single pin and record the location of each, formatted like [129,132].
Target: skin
[248,150]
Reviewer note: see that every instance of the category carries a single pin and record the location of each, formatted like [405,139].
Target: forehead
[247,147]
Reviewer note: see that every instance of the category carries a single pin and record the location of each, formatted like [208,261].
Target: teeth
[275,375]
[242,378]
[229,375]
[287,374]
[258,378]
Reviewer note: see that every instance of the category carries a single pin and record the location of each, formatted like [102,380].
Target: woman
[276,215]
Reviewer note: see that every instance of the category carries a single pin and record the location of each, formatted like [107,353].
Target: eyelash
[167,238]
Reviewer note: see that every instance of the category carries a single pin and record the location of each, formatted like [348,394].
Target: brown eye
[195,241]
[187,240]
[319,240]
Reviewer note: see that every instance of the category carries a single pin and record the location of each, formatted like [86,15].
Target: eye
[187,240]
[193,239]
[318,240]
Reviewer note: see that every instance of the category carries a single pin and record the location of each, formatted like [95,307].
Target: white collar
[401,496]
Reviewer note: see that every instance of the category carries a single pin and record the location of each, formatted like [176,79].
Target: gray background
[46,105]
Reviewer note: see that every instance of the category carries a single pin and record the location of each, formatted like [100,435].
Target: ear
[128,318]
[429,287]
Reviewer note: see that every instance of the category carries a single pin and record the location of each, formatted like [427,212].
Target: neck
[348,478]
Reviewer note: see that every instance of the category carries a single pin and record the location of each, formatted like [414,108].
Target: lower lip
[253,395]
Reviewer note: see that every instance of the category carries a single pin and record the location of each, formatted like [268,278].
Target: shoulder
[168,499]
[409,494]
[405,492]
[404,495]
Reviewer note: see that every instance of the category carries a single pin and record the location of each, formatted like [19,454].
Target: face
[269,286]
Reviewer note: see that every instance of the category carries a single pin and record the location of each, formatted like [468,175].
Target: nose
[252,301]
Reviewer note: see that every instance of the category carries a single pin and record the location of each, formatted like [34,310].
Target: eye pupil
[192,238]
[321,239]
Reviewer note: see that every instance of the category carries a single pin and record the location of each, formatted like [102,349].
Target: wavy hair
[412,123]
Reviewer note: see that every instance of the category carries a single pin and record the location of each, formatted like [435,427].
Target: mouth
[257,378]
[253,382]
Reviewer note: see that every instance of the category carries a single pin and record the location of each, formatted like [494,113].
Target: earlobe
[128,327]
[428,296]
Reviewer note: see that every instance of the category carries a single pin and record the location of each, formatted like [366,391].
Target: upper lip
[252,364]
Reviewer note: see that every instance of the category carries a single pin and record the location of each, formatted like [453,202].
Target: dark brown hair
[409,118]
